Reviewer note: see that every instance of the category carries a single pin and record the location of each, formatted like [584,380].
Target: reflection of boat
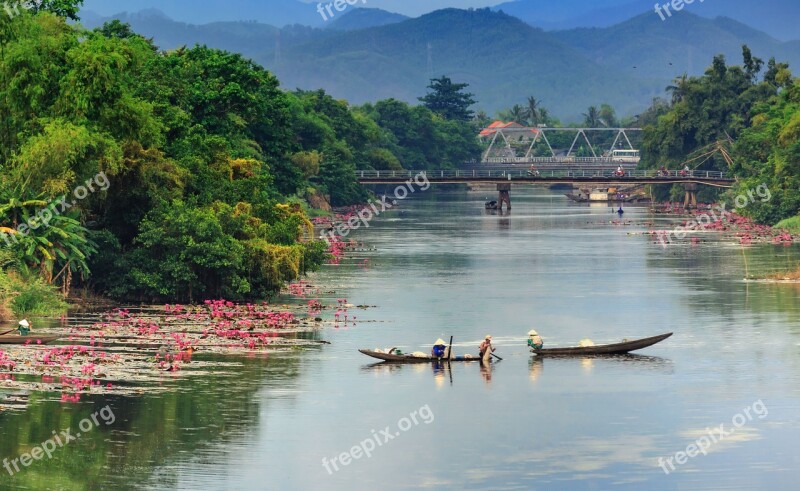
[16,339]
[604,349]
[414,359]
[490,205]
[607,195]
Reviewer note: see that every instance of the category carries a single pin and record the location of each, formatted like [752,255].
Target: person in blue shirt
[439,349]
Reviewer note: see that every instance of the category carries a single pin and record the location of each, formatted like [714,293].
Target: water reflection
[583,423]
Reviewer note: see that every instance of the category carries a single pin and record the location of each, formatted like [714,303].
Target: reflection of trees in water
[149,433]
[713,274]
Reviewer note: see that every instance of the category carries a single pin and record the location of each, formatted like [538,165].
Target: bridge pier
[504,196]
[690,199]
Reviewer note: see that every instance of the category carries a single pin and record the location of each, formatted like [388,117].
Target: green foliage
[728,104]
[63,8]
[421,139]
[199,147]
[34,297]
[23,293]
[768,154]
[448,99]
[791,224]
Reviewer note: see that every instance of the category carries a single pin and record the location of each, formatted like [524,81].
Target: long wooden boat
[17,339]
[604,349]
[413,359]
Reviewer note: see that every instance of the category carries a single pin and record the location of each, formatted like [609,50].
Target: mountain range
[780,18]
[777,17]
[367,54]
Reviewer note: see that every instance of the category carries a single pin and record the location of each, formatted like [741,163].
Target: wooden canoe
[413,359]
[16,339]
[604,349]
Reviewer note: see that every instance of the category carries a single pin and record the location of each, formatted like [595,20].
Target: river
[441,266]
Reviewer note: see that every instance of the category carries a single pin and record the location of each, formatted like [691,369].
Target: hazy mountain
[779,18]
[563,13]
[647,48]
[362,18]
[503,59]
[272,12]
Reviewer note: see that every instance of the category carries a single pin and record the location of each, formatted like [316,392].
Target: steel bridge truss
[509,153]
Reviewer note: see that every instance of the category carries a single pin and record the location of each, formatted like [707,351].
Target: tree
[679,88]
[62,8]
[516,114]
[608,117]
[752,65]
[448,100]
[533,111]
[592,118]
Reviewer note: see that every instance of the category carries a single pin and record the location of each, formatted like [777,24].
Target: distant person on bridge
[534,171]
[686,171]
[620,171]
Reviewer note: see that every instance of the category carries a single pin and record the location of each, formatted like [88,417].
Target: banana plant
[57,249]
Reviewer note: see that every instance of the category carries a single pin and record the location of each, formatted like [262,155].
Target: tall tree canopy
[448,99]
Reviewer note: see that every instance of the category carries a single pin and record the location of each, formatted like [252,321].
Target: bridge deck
[595,177]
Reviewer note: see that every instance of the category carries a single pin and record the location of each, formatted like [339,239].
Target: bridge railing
[561,160]
[543,174]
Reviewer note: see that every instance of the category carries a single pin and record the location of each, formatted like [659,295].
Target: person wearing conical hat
[485,346]
[534,340]
[439,348]
[24,327]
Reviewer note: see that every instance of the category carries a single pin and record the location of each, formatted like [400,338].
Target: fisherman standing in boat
[534,340]
[486,345]
[439,349]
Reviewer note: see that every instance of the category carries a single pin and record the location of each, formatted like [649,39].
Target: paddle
[450,357]
[497,357]
[450,350]
[10,330]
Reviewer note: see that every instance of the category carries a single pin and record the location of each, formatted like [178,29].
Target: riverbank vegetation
[748,113]
[209,170]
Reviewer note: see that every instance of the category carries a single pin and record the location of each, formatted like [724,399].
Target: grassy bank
[24,292]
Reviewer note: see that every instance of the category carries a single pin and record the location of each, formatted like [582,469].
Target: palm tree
[592,118]
[679,89]
[516,114]
[544,115]
[534,111]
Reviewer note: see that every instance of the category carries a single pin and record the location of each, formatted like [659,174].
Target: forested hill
[646,47]
[363,18]
[502,58]
[778,17]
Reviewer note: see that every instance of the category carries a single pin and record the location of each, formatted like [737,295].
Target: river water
[443,266]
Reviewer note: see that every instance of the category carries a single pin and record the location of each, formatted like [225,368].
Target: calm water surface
[442,266]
